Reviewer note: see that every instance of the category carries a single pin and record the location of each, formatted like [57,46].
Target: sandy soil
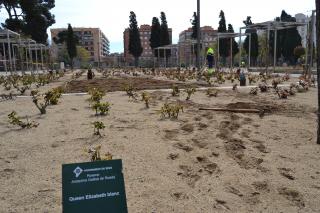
[202,162]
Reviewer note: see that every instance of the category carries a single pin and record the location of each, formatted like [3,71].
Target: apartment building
[92,39]
[186,43]
[145,34]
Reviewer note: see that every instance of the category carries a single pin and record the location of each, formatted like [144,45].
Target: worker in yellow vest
[210,59]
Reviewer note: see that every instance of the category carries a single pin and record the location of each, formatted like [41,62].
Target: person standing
[242,79]
[210,59]
[90,73]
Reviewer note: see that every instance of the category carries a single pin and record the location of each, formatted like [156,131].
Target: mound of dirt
[292,195]
[118,84]
[265,107]
[188,128]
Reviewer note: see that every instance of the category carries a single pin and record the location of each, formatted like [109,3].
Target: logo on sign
[77,171]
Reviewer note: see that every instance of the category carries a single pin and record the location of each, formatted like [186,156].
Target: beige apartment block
[187,46]
[92,39]
[145,34]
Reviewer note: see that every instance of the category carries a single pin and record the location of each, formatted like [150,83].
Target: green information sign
[95,187]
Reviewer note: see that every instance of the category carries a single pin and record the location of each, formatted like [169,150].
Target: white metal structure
[271,26]
[21,54]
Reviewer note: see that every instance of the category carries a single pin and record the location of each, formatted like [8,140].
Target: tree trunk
[136,62]
[15,13]
[72,61]
[8,9]
[318,61]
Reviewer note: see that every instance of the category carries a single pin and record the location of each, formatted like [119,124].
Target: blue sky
[113,16]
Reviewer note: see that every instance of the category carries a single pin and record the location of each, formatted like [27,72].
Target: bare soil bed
[118,84]
[203,161]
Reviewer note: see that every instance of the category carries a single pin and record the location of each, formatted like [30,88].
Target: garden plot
[198,161]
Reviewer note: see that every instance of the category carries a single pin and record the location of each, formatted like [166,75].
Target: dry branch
[232,110]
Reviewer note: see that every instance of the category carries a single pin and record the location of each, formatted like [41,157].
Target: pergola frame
[191,42]
[232,36]
[26,43]
[6,37]
[167,47]
[36,47]
[269,26]
[177,47]
[10,41]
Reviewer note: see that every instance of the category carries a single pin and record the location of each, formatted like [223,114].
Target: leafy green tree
[287,39]
[164,34]
[61,37]
[292,39]
[194,23]
[155,35]
[135,47]
[254,42]
[15,21]
[63,55]
[223,43]
[30,17]
[83,55]
[235,46]
[299,51]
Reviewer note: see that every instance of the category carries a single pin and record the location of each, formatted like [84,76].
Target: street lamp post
[99,53]
[198,35]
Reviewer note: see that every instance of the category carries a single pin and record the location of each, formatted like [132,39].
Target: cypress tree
[194,22]
[70,40]
[223,43]
[135,47]
[292,38]
[194,34]
[254,41]
[155,35]
[280,40]
[164,34]
[235,46]
[71,44]
[287,39]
